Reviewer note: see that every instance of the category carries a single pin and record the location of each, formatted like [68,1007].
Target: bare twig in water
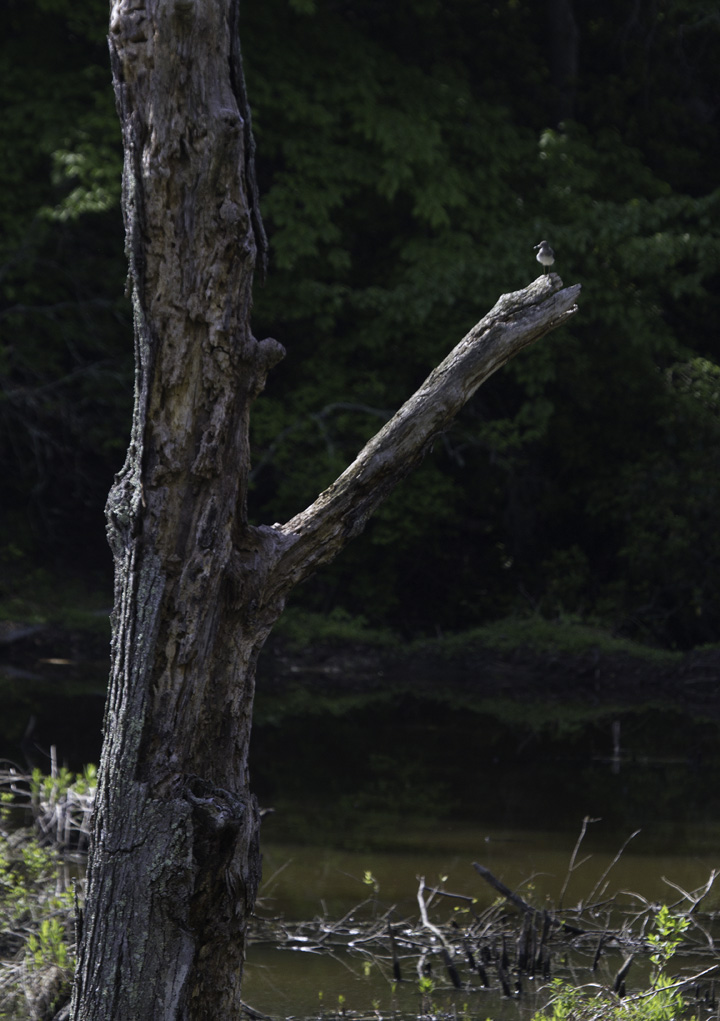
[572,866]
[470,901]
[612,864]
[523,905]
[682,982]
[424,915]
[693,897]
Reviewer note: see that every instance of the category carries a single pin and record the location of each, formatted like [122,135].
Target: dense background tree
[410,156]
[65,362]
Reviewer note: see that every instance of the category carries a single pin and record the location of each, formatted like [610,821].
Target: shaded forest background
[409,157]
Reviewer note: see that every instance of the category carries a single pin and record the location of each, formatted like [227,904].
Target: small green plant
[37,907]
[370,880]
[426,985]
[665,1003]
[7,801]
[666,939]
[48,945]
[661,1002]
[37,921]
[63,781]
[569,1003]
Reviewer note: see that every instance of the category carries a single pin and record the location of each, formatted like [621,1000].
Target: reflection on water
[428,759]
[470,786]
[401,786]
[286,984]
[304,881]
[59,703]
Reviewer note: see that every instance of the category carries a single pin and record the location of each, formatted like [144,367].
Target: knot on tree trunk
[216,809]
[266,355]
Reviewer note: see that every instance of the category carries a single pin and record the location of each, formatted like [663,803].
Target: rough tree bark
[175,864]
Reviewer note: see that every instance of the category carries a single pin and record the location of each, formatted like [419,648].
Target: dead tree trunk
[175,864]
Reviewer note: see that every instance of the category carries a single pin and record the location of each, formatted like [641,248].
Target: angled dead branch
[317,534]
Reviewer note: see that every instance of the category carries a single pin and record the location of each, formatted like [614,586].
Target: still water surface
[303,881]
[412,787]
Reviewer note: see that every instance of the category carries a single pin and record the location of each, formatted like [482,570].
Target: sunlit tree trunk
[175,865]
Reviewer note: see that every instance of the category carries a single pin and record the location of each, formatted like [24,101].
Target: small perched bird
[545,255]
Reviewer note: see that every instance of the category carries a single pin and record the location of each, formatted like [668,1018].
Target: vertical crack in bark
[237,79]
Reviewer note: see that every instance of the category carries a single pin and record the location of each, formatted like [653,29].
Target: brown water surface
[303,881]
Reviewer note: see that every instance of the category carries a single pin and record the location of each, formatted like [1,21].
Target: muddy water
[304,881]
[469,787]
[403,787]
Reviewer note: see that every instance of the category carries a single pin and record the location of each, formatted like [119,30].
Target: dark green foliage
[65,360]
[410,156]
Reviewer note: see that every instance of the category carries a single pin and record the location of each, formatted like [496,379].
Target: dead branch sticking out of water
[499,947]
[523,905]
[470,947]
